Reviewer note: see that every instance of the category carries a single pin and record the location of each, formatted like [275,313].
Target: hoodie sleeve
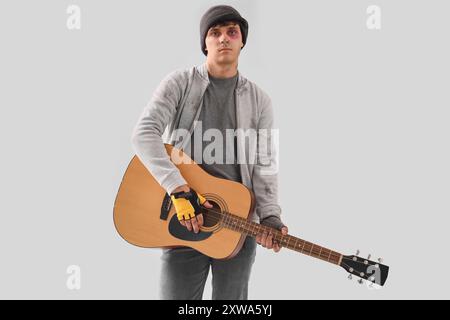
[147,135]
[265,171]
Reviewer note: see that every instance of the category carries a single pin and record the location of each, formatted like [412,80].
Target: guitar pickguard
[179,231]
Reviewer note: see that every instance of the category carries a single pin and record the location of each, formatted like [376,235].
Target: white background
[363,117]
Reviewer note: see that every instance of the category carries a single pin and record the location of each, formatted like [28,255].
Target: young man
[213,97]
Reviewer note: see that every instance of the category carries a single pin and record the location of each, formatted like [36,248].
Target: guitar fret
[225,219]
[300,250]
[245,226]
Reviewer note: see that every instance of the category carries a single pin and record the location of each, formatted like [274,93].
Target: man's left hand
[265,239]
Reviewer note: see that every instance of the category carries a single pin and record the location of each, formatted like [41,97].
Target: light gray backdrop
[363,117]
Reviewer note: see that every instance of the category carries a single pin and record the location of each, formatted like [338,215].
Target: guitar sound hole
[210,218]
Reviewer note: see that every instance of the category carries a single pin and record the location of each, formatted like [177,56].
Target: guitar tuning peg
[357,252]
[360,281]
[380,260]
[350,277]
[368,257]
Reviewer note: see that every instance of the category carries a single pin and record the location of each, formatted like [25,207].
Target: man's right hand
[197,221]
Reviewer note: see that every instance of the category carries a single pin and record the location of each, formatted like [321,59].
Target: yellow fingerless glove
[187,204]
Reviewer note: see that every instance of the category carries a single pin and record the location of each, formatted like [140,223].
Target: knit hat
[219,14]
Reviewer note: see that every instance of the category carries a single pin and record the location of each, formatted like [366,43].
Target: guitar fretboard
[253,229]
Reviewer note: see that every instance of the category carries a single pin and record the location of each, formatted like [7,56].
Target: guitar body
[139,206]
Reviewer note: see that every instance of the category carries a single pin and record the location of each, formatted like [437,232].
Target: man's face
[224,43]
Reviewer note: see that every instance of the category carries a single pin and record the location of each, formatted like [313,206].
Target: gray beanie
[219,14]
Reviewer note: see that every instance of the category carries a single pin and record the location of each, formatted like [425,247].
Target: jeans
[185,270]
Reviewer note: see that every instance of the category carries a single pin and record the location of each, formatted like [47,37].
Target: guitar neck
[253,229]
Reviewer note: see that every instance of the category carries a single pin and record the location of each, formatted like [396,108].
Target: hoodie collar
[203,72]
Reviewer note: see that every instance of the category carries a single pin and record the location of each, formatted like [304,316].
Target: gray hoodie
[174,109]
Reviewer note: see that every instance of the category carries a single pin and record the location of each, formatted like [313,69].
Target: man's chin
[225,60]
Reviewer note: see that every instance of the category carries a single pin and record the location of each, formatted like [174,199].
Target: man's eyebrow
[229,27]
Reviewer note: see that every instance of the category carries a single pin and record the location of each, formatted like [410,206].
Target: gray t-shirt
[219,113]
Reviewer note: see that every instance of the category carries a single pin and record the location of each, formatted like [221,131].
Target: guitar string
[225,214]
[229,215]
[332,254]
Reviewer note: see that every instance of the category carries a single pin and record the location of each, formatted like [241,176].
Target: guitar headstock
[367,269]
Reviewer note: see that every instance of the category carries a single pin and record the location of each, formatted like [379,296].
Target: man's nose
[224,38]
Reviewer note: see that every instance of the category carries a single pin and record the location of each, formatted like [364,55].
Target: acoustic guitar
[144,216]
